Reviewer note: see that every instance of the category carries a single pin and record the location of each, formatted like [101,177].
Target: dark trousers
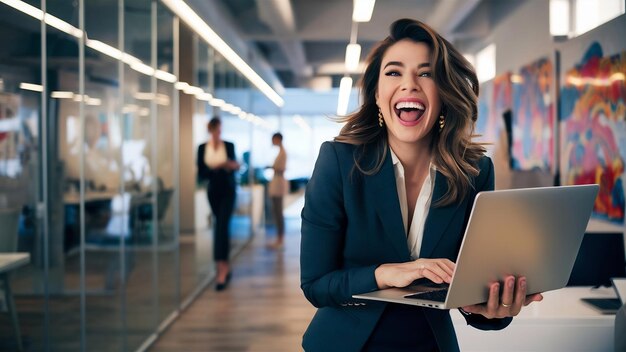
[402,328]
[222,204]
[277,212]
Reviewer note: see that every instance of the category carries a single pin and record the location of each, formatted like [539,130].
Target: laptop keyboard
[436,295]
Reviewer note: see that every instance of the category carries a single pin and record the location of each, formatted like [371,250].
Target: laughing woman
[389,200]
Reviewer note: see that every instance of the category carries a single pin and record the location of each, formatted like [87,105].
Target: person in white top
[278,188]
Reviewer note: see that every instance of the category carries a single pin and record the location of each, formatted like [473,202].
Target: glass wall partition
[21,135]
[104,226]
[162,143]
[88,170]
[139,159]
[196,248]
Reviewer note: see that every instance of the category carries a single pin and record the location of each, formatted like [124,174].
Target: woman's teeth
[409,105]
[409,110]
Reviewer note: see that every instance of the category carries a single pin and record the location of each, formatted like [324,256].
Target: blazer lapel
[382,193]
[438,217]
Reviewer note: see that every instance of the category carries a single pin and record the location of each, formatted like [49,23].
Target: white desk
[561,322]
[9,262]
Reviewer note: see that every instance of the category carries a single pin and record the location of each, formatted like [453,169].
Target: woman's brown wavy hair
[454,153]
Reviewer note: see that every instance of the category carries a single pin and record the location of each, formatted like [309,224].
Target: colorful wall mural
[493,101]
[593,129]
[533,117]
[484,126]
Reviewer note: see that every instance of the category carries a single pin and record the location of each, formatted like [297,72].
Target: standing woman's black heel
[222,286]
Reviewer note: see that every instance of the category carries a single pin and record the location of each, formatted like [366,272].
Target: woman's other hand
[403,274]
[230,165]
[507,304]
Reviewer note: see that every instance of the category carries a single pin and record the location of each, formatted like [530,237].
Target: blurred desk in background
[561,322]
[8,263]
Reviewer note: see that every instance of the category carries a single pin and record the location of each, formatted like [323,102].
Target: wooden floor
[262,310]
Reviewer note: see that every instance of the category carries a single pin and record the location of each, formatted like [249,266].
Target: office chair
[141,212]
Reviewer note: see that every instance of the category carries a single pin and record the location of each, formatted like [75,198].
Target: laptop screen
[601,257]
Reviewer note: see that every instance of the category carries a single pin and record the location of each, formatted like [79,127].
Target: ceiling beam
[448,15]
[224,25]
[279,16]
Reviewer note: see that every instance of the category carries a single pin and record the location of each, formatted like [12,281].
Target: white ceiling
[305,39]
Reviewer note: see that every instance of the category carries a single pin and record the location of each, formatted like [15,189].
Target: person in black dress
[217,165]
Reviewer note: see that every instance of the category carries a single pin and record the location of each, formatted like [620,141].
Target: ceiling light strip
[353,55]
[50,20]
[139,66]
[97,45]
[31,86]
[345,86]
[354,32]
[182,10]
[104,48]
[63,26]
[25,8]
[362,11]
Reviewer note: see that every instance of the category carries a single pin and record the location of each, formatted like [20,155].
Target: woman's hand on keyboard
[403,274]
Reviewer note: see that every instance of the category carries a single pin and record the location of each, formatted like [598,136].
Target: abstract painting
[533,116]
[593,128]
[493,101]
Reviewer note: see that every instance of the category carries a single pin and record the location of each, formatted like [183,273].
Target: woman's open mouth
[409,112]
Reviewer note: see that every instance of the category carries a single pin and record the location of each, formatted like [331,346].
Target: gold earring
[380,118]
[442,122]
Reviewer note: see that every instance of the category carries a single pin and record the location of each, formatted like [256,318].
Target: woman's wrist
[378,275]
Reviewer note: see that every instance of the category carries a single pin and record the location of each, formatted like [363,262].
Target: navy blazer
[219,179]
[351,224]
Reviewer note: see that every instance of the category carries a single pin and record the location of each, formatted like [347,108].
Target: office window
[471,59]
[486,63]
[592,13]
[572,18]
[560,17]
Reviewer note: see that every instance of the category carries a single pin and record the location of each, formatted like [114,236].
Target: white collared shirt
[422,205]
[215,157]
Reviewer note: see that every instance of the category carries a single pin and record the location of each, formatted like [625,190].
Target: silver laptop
[531,232]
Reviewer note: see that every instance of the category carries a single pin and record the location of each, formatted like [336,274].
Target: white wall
[523,37]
